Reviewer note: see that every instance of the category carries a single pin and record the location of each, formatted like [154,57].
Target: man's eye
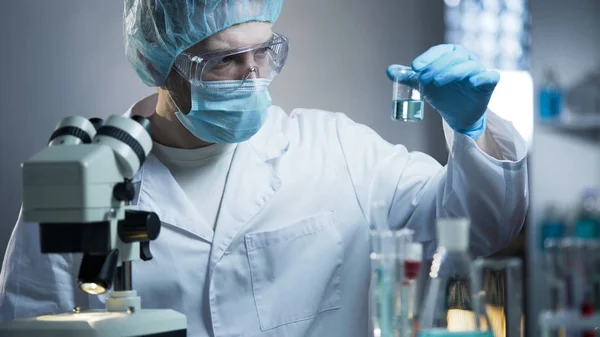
[224,61]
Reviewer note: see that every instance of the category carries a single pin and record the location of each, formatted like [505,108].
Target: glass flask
[407,103]
[447,309]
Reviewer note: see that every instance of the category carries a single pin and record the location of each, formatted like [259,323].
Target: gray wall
[65,57]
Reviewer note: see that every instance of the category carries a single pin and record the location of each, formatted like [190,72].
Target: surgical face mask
[227,111]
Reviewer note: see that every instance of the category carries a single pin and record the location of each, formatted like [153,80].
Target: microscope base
[100,323]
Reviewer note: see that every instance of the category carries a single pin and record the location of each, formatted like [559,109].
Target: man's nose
[249,67]
[253,73]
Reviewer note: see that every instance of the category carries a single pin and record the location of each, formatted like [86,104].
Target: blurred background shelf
[587,126]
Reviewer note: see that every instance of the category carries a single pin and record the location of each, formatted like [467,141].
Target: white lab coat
[290,256]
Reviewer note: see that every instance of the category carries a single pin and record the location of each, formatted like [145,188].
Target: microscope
[79,191]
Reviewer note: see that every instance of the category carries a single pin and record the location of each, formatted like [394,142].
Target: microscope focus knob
[124,191]
[139,226]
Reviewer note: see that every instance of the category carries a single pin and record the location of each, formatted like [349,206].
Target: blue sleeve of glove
[476,130]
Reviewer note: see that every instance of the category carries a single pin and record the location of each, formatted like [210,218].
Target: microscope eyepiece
[129,139]
[143,121]
[124,138]
[73,130]
[97,123]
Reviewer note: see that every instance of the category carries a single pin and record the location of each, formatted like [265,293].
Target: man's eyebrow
[203,47]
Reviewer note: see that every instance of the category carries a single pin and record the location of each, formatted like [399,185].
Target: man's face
[242,35]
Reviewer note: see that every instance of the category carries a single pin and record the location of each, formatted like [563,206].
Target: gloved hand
[456,84]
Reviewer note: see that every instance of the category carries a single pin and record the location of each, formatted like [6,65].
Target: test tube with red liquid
[411,266]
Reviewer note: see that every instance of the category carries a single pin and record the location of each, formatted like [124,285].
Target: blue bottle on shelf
[550,97]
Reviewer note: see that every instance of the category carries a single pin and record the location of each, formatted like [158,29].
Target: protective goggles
[264,60]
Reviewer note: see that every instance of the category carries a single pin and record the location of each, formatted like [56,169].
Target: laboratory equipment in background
[383,256]
[395,263]
[587,223]
[575,106]
[407,103]
[461,298]
[504,299]
[451,264]
[553,225]
[78,190]
[408,288]
[550,97]
[572,273]
[580,220]
[572,268]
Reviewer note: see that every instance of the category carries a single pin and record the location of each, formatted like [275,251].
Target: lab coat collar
[160,193]
[252,182]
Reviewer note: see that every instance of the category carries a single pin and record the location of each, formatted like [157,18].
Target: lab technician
[267,214]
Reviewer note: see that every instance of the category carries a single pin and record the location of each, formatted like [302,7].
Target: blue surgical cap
[157,31]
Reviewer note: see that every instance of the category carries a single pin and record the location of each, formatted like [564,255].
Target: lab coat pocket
[295,270]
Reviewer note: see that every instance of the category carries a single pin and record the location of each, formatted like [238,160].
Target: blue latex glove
[456,84]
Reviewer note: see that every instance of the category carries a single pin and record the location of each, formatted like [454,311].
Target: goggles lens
[264,61]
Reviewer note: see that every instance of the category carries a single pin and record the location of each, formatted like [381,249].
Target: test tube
[578,287]
[593,268]
[383,253]
[588,306]
[403,240]
[412,266]
[407,103]
[555,268]
[575,277]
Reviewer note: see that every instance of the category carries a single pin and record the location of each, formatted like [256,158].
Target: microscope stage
[143,323]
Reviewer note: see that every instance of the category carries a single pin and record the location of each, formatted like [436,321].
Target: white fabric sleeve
[411,189]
